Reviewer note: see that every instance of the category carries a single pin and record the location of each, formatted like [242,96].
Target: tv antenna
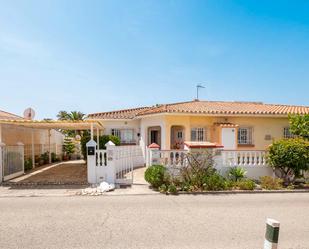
[198,86]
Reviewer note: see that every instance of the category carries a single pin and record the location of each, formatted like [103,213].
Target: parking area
[71,172]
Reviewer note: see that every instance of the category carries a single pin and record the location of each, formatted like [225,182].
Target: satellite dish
[29,113]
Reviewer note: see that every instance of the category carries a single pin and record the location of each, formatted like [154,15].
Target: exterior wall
[261,126]
[122,124]
[147,122]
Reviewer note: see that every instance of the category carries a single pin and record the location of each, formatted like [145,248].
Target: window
[116,132]
[179,134]
[287,133]
[198,134]
[245,135]
[125,135]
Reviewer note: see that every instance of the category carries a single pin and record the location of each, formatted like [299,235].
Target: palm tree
[71,116]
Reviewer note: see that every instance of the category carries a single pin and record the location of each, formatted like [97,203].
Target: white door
[229,138]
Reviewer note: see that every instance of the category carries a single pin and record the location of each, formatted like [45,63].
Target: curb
[245,192]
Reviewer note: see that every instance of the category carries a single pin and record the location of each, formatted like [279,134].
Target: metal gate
[12,162]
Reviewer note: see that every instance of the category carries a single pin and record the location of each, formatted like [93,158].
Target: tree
[289,157]
[68,147]
[70,116]
[299,125]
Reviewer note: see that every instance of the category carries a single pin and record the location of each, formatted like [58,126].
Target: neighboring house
[234,125]
[11,134]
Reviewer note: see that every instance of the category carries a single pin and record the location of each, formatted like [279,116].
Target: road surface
[153,221]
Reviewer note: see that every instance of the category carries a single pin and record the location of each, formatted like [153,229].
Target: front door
[154,137]
[229,138]
[177,138]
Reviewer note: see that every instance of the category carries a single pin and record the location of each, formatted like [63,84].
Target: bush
[28,164]
[289,157]
[236,173]
[54,157]
[156,175]
[245,184]
[45,157]
[172,189]
[214,182]
[268,182]
[102,141]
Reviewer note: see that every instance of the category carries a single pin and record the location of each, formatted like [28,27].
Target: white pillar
[98,139]
[272,234]
[32,148]
[91,161]
[91,131]
[110,171]
[49,146]
[153,156]
[22,154]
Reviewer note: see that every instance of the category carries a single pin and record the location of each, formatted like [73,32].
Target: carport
[17,161]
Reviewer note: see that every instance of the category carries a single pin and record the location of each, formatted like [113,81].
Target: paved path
[153,221]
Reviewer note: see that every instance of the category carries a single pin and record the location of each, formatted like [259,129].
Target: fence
[41,149]
[254,162]
[118,161]
[12,160]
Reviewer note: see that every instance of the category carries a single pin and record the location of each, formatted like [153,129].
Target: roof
[8,115]
[53,124]
[206,107]
[119,114]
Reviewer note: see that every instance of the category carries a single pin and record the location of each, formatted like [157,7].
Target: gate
[12,161]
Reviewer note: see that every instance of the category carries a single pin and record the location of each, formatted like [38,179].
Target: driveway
[153,221]
[70,172]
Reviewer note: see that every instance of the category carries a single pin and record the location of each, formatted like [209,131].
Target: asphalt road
[154,221]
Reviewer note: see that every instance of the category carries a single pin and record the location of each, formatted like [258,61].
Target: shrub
[200,165]
[172,189]
[45,157]
[236,173]
[54,157]
[102,141]
[245,184]
[268,182]
[214,182]
[163,188]
[156,175]
[289,157]
[28,164]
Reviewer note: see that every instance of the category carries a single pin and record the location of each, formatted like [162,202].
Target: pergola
[53,124]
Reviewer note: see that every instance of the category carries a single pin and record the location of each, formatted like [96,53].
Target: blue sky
[102,55]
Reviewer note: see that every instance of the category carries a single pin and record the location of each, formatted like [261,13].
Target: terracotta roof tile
[120,114]
[206,107]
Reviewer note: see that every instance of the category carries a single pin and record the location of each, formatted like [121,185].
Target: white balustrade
[244,158]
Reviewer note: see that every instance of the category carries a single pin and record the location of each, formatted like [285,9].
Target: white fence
[254,162]
[119,161]
[12,161]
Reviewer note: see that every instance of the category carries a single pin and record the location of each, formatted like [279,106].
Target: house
[233,125]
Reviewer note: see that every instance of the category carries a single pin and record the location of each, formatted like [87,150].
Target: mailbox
[90,151]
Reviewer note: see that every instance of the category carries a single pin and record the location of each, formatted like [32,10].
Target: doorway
[154,135]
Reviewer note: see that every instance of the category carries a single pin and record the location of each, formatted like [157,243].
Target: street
[153,221]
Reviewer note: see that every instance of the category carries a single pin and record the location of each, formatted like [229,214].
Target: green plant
[68,146]
[54,157]
[28,164]
[236,173]
[156,175]
[268,182]
[102,141]
[199,166]
[172,189]
[245,184]
[300,125]
[45,157]
[163,188]
[289,157]
[214,182]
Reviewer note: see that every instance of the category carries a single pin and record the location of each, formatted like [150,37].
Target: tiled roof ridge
[119,111]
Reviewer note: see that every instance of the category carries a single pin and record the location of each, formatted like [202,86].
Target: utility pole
[198,86]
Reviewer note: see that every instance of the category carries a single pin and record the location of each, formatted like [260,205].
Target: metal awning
[55,124]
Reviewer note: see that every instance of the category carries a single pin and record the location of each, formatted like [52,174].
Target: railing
[243,158]
[169,158]
[101,158]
